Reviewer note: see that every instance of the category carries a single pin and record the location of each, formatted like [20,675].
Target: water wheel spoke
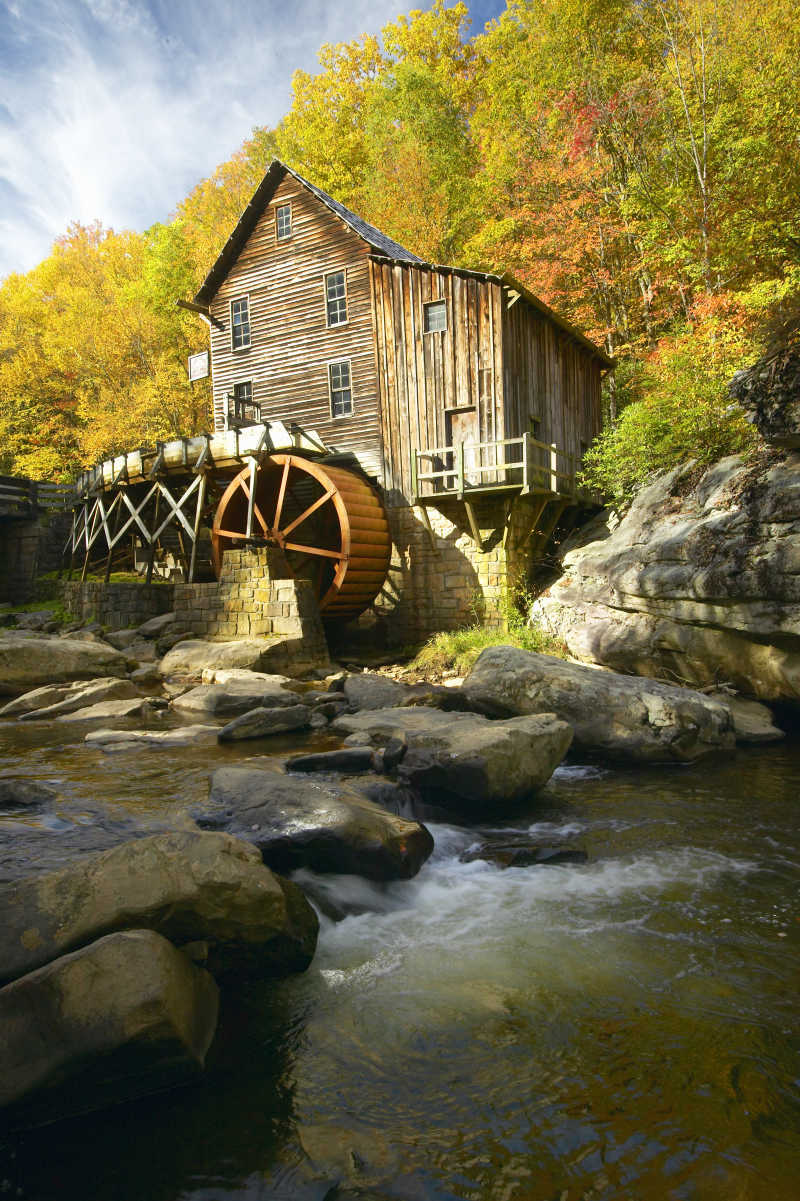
[311,509]
[240,535]
[276,525]
[313,550]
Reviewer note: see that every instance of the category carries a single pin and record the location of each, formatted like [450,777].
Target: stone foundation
[247,602]
[117,605]
[29,549]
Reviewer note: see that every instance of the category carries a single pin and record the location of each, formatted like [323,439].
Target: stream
[626,1028]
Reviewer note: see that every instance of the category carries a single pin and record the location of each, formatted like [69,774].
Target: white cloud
[114,109]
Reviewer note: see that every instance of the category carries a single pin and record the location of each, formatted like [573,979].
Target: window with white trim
[283,222]
[434,316]
[240,323]
[336,298]
[341,388]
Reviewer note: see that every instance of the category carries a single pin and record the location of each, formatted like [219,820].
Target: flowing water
[626,1028]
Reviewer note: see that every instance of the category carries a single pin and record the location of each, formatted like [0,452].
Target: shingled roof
[276,172]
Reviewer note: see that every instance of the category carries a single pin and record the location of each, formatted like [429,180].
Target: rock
[187,886]
[368,690]
[350,760]
[141,650]
[54,660]
[191,657]
[121,639]
[261,722]
[71,697]
[238,696]
[239,675]
[317,721]
[107,710]
[127,1015]
[155,627]
[521,852]
[769,393]
[752,722]
[167,641]
[180,736]
[18,793]
[36,620]
[148,673]
[464,757]
[300,822]
[619,716]
[698,584]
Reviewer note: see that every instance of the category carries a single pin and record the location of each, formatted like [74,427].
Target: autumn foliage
[635,162]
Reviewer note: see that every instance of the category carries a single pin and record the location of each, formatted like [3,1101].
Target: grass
[457,650]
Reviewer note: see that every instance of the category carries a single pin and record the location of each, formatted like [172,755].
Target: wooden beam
[473,525]
[201,310]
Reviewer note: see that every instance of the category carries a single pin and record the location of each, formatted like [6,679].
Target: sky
[115,109]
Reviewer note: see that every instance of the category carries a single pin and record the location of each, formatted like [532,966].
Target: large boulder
[262,722]
[127,1015]
[618,716]
[699,583]
[192,657]
[297,822]
[465,757]
[27,663]
[187,886]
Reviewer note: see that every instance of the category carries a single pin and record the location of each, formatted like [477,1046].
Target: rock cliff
[698,583]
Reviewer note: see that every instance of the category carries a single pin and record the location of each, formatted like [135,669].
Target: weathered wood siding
[549,376]
[290,342]
[429,379]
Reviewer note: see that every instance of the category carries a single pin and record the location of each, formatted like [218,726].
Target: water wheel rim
[240,483]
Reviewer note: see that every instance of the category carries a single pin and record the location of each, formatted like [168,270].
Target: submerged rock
[187,886]
[180,736]
[26,663]
[18,793]
[520,851]
[619,716]
[465,756]
[300,822]
[127,1015]
[347,760]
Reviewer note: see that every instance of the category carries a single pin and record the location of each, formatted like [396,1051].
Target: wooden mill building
[465,399]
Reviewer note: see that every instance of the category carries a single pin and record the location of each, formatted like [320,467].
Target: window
[336,298]
[283,222]
[434,316]
[242,409]
[240,323]
[341,388]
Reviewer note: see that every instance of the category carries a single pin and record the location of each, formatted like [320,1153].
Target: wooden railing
[21,497]
[523,464]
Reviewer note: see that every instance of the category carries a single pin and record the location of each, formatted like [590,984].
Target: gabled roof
[276,173]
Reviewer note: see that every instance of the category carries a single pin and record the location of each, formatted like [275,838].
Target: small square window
[434,316]
[283,222]
[240,323]
[336,298]
[341,388]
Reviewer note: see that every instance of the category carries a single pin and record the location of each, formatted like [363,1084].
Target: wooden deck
[510,465]
[21,499]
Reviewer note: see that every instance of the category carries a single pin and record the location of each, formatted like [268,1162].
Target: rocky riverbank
[118,937]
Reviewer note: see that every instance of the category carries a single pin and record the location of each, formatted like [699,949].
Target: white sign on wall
[198,365]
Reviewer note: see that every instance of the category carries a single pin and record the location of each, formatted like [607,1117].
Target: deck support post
[251,495]
[460,470]
[473,525]
[553,467]
[201,500]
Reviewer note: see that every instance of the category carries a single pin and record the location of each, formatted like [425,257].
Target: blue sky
[114,109]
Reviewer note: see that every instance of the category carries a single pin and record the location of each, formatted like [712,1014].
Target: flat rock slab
[238,696]
[464,755]
[127,1015]
[350,760]
[187,886]
[182,736]
[78,696]
[300,822]
[34,661]
[261,722]
[107,710]
[622,717]
[752,721]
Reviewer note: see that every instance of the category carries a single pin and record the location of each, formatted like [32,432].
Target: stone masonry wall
[448,581]
[27,549]
[248,603]
[116,605]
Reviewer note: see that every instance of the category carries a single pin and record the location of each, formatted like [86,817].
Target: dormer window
[336,298]
[434,316]
[240,323]
[283,222]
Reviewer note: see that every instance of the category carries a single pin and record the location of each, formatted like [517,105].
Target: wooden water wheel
[328,521]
